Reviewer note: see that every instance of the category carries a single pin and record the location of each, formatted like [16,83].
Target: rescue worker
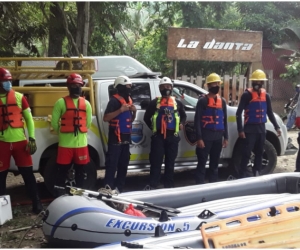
[256,104]
[13,142]
[291,117]
[297,124]
[71,119]
[165,116]
[120,113]
[211,129]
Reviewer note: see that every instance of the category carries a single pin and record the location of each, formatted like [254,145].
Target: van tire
[51,171]
[269,158]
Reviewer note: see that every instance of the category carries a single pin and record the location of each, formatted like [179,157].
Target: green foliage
[21,23]
[290,52]
[293,72]
[268,17]
[107,18]
[139,29]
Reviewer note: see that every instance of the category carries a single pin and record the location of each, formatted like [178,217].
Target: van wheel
[51,172]
[268,163]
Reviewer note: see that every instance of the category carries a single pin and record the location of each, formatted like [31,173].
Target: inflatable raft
[278,230]
[82,221]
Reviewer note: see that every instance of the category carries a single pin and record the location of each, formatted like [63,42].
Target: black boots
[37,206]
[32,190]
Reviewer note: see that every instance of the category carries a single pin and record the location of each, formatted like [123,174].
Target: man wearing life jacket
[120,113]
[211,129]
[165,116]
[297,124]
[71,119]
[14,109]
[256,104]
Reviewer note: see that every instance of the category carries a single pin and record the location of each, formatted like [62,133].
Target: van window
[140,92]
[186,95]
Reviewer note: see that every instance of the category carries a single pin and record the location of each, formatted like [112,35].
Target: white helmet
[165,80]
[122,80]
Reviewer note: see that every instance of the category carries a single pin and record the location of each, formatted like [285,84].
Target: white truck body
[145,87]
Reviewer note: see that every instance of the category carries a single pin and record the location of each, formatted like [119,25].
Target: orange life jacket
[256,110]
[74,119]
[122,123]
[213,116]
[10,113]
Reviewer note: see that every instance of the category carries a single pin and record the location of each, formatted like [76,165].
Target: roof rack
[42,68]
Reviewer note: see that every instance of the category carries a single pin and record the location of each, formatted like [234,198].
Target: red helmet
[5,74]
[74,78]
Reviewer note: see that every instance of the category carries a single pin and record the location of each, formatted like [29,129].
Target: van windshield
[114,66]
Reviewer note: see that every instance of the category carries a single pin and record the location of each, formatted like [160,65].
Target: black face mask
[214,90]
[165,92]
[256,86]
[123,90]
[75,91]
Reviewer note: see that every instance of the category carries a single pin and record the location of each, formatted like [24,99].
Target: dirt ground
[16,233]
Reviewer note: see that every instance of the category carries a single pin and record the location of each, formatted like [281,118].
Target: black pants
[29,180]
[298,155]
[213,150]
[253,142]
[161,148]
[116,159]
[62,174]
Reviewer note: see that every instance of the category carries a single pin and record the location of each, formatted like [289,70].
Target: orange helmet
[74,79]
[5,74]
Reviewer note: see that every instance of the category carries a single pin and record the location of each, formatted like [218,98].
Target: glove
[297,122]
[31,146]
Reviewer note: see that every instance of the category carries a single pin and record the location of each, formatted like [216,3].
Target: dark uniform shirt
[150,111]
[253,128]
[207,134]
[112,106]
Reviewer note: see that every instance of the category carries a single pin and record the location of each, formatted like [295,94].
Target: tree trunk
[72,43]
[80,24]
[86,28]
[83,22]
[56,32]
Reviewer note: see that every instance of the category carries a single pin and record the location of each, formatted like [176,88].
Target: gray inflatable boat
[194,239]
[82,221]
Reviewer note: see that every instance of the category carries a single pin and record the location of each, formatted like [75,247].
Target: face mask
[124,91]
[75,91]
[6,85]
[166,92]
[214,90]
[256,86]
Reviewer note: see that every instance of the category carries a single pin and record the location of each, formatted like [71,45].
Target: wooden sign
[214,45]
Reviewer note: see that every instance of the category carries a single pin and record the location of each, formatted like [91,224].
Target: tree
[290,52]
[268,17]
[21,24]
[56,30]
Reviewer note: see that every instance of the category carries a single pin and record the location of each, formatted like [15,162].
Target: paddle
[137,206]
[99,195]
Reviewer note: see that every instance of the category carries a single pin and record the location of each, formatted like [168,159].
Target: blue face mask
[6,85]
